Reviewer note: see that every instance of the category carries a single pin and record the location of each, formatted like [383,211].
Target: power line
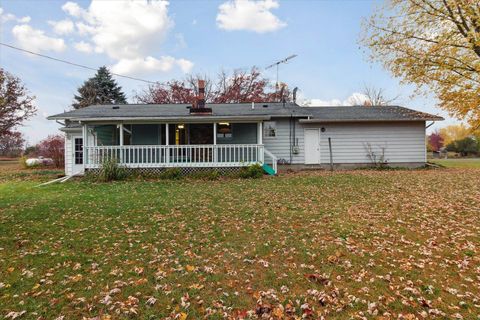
[73,63]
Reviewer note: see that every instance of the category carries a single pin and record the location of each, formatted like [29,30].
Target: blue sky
[159,41]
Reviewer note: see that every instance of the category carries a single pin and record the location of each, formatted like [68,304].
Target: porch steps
[268,170]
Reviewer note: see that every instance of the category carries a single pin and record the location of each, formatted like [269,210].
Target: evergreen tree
[100,89]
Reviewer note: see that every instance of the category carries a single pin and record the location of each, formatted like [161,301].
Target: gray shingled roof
[379,113]
[244,110]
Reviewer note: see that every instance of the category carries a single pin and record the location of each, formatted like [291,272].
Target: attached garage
[355,143]
[356,136]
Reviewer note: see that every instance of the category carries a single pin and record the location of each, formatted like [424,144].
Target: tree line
[457,138]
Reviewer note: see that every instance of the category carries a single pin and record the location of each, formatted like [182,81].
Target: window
[144,134]
[78,151]
[269,129]
[224,130]
[107,135]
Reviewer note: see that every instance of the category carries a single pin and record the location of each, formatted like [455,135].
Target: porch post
[259,133]
[260,141]
[214,133]
[121,142]
[166,134]
[215,152]
[167,150]
[84,147]
[121,134]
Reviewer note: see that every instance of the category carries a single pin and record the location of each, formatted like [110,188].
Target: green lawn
[343,244]
[458,163]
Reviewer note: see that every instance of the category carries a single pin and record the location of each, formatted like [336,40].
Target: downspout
[290,137]
[431,124]
[295,142]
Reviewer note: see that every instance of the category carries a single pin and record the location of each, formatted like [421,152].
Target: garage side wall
[403,142]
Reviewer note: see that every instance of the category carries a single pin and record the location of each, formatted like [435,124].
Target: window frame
[222,136]
[265,136]
[78,153]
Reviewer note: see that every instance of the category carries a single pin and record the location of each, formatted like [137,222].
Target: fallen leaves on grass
[361,244]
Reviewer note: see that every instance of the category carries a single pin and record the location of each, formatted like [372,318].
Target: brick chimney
[201,94]
[198,106]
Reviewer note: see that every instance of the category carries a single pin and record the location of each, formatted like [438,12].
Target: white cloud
[128,32]
[73,9]
[84,29]
[83,46]
[181,43]
[36,40]
[25,19]
[6,17]
[124,29]
[150,64]
[185,65]
[355,99]
[62,27]
[320,103]
[249,15]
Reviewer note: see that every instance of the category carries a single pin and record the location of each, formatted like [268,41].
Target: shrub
[111,171]
[206,175]
[378,159]
[23,162]
[171,174]
[466,146]
[254,171]
[53,147]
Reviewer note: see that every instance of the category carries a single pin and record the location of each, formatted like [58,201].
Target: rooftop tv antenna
[277,64]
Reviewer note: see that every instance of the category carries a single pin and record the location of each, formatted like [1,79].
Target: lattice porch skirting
[184,170]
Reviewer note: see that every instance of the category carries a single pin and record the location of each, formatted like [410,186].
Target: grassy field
[458,163]
[358,244]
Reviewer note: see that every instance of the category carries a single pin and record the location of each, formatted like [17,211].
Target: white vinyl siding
[404,142]
[280,144]
[68,154]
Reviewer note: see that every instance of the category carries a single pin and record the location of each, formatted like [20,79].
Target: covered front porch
[166,145]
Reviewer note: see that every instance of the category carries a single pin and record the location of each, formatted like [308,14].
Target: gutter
[65,129]
[431,124]
[364,120]
[188,119]
[182,118]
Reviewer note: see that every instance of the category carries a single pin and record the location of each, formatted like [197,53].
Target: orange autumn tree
[434,44]
[455,132]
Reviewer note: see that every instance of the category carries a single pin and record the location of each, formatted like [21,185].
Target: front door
[77,147]
[312,146]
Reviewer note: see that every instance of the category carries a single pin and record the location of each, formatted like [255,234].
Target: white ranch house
[240,134]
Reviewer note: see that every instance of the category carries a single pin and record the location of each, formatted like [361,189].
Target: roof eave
[203,118]
[57,117]
[65,129]
[369,120]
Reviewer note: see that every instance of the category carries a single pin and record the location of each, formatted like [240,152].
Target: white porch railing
[271,160]
[220,155]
